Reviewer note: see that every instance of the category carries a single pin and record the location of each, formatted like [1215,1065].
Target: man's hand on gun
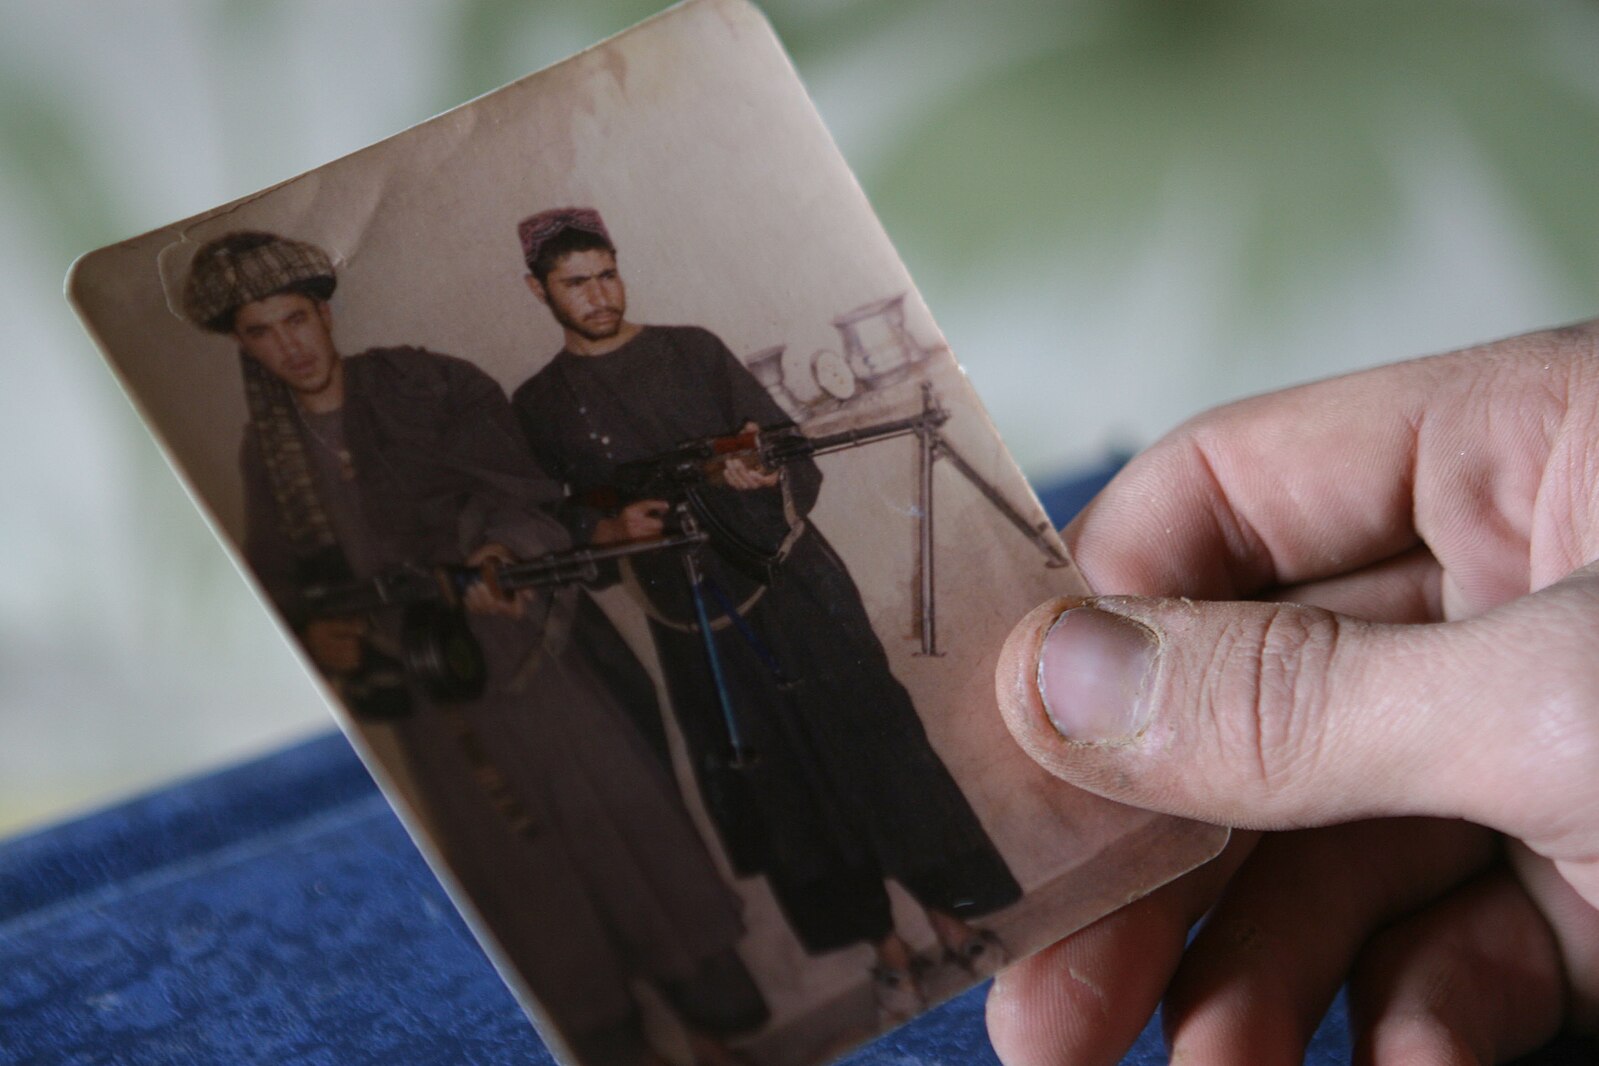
[637,521]
[480,598]
[745,474]
[335,643]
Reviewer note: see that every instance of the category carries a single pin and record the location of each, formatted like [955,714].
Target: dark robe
[611,882]
[846,790]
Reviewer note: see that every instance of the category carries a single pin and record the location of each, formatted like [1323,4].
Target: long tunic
[846,789]
[611,882]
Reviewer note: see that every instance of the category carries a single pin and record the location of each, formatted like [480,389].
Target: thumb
[1269,715]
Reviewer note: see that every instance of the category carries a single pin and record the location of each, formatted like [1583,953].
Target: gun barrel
[852,438]
[558,568]
[412,584]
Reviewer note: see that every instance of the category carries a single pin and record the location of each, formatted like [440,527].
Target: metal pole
[740,753]
[1037,534]
[926,434]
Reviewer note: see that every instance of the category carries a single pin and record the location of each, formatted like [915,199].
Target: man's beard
[312,388]
[597,327]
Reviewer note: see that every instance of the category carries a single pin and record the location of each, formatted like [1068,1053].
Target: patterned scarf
[301,516]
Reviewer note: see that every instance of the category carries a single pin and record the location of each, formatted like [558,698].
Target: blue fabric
[277,913]
[317,935]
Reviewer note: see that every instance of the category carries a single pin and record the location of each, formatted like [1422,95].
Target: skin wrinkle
[1567,468]
[1559,389]
[1403,588]
[1324,516]
[1256,721]
[1432,589]
[1574,458]
[1543,546]
[1259,688]
[1313,744]
[1190,455]
[1416,421]
[1292,651]
[1586,548]
[1550,416]
[1458,520]
[1435,579]
[1221,653]
[1142,576]
[1174,514]
[1242,539]
[1514,491]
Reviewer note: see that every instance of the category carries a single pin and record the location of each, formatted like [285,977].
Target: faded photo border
[732,216]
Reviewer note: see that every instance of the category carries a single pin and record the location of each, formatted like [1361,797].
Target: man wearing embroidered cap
[549,795]
[846,791]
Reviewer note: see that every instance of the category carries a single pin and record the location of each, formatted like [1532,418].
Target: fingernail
[1094,670]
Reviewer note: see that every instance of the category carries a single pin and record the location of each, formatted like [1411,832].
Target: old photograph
[595,449]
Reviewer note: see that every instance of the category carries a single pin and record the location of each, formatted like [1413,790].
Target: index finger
[1327,478]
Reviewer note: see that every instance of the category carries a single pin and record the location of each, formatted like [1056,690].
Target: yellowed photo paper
[597,452]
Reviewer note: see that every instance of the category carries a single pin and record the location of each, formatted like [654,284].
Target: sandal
[898,993]
[982,955]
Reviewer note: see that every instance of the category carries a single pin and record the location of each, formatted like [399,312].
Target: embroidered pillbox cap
[537,229]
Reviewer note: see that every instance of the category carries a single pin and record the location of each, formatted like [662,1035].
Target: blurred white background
[1122,211]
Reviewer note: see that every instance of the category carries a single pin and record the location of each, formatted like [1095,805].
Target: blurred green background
[1122,212]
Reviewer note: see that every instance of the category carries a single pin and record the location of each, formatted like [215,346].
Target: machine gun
[409,583]
[437,649]
[702,461]
[680,474]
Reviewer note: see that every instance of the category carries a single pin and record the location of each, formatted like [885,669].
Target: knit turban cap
[240,267]
[536,229]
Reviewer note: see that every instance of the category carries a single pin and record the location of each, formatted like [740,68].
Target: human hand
[481,599]
[637,521]
[1425,535]
[335,643]
[744,474]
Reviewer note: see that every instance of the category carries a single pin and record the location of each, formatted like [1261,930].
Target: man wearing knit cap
[845,791]
[549,795]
